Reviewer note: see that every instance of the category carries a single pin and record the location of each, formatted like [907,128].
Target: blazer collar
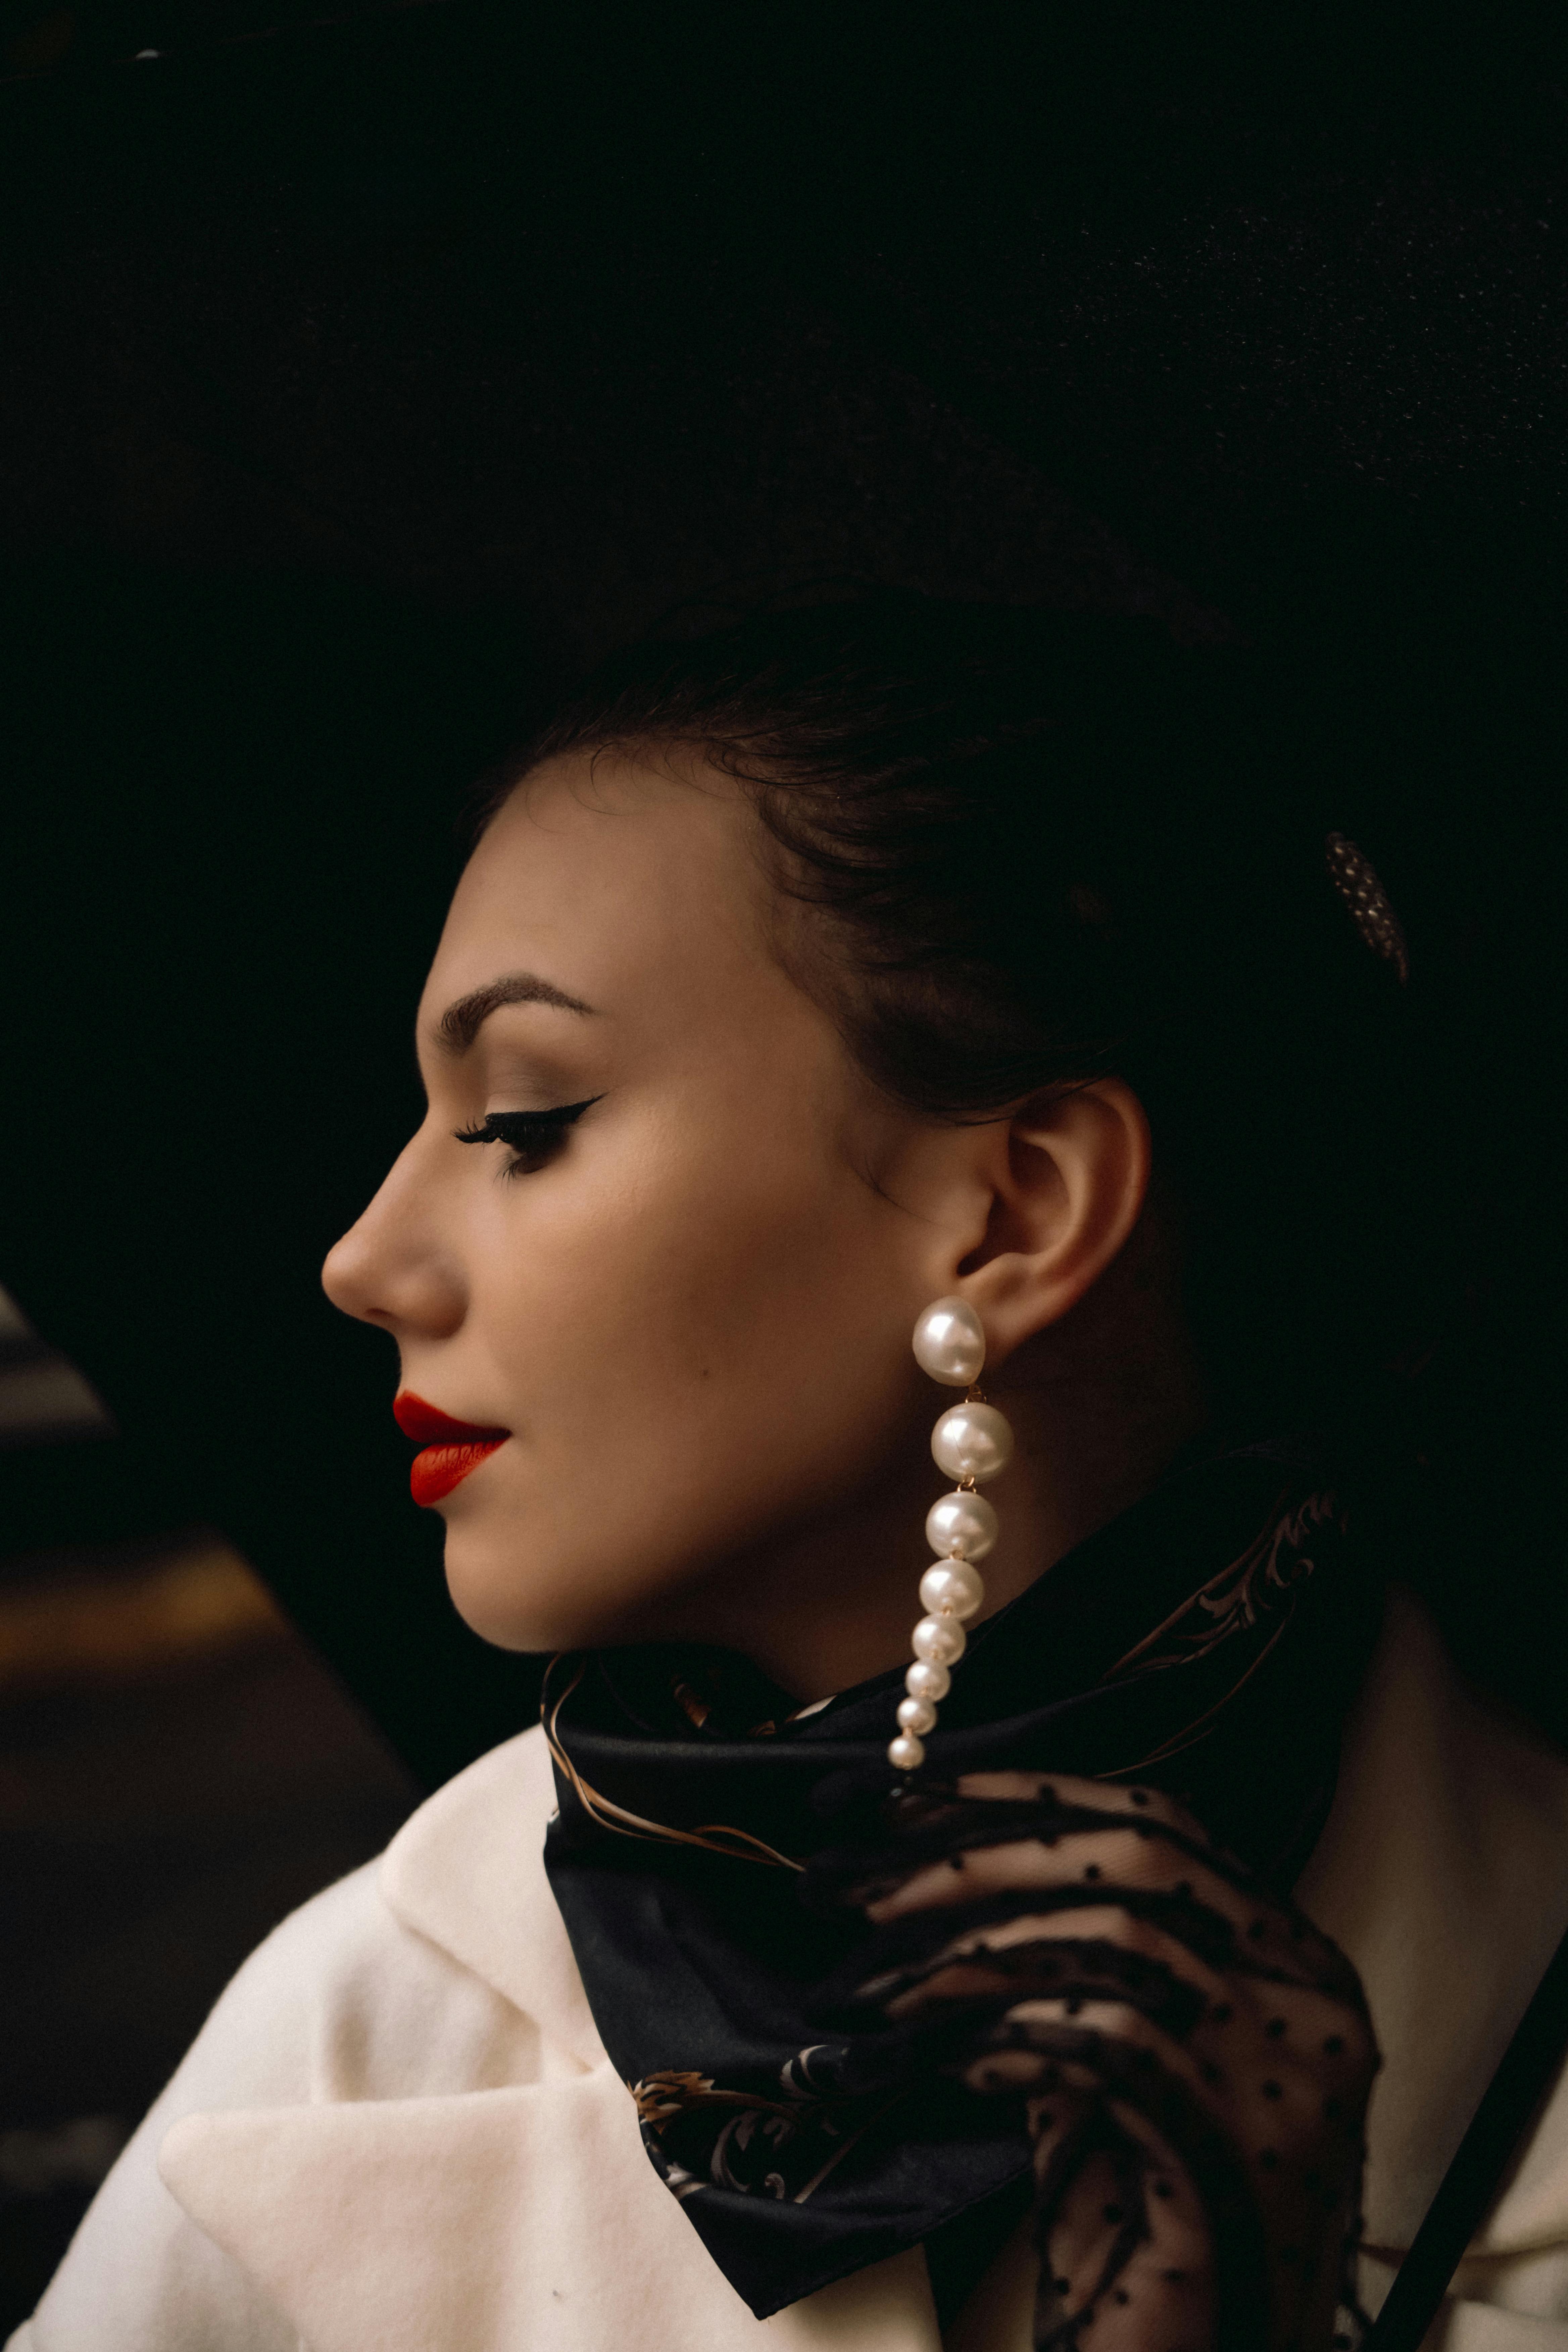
[468,1872]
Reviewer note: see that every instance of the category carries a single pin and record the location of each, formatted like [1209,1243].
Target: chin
[536,1608]
[525,1576]
[491,1606]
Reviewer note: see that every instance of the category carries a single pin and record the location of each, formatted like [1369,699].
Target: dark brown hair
[1041,848]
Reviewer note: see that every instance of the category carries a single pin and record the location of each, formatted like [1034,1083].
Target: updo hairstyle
[1037,848]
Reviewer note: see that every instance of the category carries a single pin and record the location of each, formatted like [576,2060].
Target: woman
[867,970]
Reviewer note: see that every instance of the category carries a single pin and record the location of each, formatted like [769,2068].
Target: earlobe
[1069,1178]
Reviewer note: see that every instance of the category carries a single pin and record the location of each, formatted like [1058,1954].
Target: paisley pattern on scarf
[1207,1643]
[701,2136]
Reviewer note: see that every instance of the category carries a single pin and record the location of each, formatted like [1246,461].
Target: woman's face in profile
[689,1306]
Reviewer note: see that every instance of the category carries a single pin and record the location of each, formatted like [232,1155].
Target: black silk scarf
[1206,1643]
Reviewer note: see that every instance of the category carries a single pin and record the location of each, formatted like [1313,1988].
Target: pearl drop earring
[971,1442]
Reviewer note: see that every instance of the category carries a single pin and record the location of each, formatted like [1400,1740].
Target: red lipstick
[450,1448]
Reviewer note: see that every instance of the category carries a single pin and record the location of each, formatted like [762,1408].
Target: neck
[1099,1413]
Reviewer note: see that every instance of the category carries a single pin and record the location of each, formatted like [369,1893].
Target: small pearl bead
[906,1753]
[917,1715]
[926,1678]
[941,1638]
[951,1588]
[963,1523]
[949,1342]
[972,1440]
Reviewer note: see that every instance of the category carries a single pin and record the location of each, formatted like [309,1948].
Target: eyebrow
[461,1023]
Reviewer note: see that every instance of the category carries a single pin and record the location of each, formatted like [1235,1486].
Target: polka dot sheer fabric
[1194,2057]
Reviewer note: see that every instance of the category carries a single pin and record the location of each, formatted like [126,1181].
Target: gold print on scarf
[712,1837]
[701,2135]
[1261,1583]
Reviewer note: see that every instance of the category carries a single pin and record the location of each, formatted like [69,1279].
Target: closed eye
[532,1136]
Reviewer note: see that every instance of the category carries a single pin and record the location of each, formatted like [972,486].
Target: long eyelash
[528,1133]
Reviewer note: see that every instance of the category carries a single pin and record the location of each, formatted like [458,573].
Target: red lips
[451,1448]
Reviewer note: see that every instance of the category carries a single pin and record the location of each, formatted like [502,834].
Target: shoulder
[438,1969]
[139,2273]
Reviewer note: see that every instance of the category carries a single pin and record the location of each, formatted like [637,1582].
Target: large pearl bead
[906,1754]
[951,1588]
[972,1440]
[917,1715]
[940,1639]
[962,1523]
[927,1679]
[949,1342]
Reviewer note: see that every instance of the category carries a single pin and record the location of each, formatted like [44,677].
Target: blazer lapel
[468,1871]
[513,2220]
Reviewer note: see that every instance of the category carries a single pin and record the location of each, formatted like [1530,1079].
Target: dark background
[362,373]
[361,378]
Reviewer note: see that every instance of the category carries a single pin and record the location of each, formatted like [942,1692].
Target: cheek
[692,1359]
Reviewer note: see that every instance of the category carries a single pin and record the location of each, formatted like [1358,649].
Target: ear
[1067,1177]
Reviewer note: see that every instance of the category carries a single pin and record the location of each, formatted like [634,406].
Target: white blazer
[398,2130]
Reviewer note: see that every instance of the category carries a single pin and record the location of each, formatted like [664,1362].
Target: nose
[395,1267]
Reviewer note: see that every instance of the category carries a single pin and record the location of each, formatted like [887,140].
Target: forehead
[641,894]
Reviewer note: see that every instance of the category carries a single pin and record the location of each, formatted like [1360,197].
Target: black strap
[1530,2064]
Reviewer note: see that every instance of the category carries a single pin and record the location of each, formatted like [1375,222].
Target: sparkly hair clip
[1355,877]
